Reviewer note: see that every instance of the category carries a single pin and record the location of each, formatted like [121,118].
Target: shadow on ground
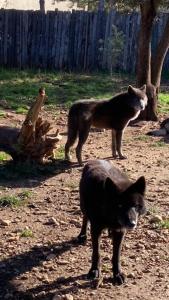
[17,265]
[31,175]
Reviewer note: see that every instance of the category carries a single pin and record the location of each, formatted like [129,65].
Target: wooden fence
[69,40]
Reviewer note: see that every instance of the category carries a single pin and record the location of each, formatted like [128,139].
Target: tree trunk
[32,142]
[42,5]
[158,58]
[148,14]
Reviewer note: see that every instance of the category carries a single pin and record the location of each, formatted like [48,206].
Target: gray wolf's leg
[83,135]
[114,153]
[72,134]
[119,135]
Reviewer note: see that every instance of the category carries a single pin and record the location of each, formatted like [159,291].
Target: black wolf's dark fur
[108,199]
[113,114]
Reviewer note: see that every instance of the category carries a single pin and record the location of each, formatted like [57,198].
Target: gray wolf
[108,199]
[114,114]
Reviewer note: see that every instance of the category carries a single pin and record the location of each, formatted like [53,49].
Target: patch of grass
[15,200]
[60,153]
[2,114]
[72,184]
[10,200]
[21,110]
[143,138]
[158,144]
[163,106]
[4,156]
[26,194]
[153,210]
[20,87]
[27,233]
[164,224]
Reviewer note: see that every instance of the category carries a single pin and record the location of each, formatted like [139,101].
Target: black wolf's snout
[132,218]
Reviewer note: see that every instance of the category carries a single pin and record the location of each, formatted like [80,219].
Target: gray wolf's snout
[143,104]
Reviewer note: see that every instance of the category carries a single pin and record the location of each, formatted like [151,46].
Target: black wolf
[163,131]
[108,199]
[114,114]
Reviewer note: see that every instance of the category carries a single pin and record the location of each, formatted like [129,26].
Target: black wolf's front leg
[118,277]
[82,237]
[94,272]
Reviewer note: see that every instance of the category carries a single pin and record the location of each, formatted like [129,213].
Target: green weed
[15,200]
[153,210]
[158,144]
[21,110]
[164,224]
[26,194]
[60,153]
[72,184]
[26,233]
[143,138]
[2,113]
[163,106]
[10,200]
[4,156]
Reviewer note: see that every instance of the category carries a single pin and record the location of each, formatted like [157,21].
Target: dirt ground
[50,265]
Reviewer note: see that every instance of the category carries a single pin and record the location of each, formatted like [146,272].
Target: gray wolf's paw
[93,274]
[122,157]
[68,157]
[118,279]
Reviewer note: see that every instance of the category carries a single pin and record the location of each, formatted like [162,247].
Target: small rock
[52,221]
[63,262]
[13,238]
[156,219]
[51,256]
[68,297]
[57,297]
[131,275]
[5,222]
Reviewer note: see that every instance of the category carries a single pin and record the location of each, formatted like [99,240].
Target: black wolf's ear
[143,88]
[138,187]
[131,90]
[111,187]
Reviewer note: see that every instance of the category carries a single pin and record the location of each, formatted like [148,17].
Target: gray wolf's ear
[143,88]
[131,89]
[139,186]
[111,187]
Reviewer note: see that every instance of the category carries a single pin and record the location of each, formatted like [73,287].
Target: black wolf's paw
[82,239]
[118,279]
[93,274]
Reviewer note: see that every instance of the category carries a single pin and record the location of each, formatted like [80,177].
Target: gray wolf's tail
[73,127]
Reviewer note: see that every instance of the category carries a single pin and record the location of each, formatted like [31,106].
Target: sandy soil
[50,265]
